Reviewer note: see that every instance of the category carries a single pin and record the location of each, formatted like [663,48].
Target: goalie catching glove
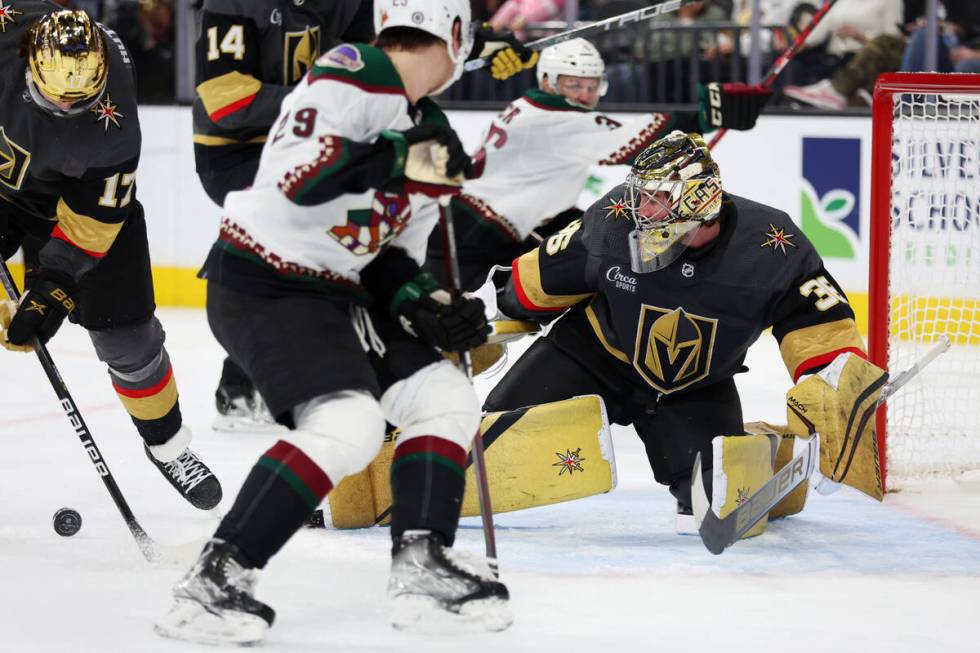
[428,312]
[45,305]
[429,158]
[731,106]
[507,55]
[839,404]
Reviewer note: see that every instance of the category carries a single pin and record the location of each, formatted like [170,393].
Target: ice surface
[605,573]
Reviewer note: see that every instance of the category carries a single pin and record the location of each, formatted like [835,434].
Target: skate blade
[225,424]
[190,622]
[424,615]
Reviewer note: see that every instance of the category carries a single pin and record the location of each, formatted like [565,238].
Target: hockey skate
[434,588]
[684,523]
[242,412]
[191,477]
[214,602]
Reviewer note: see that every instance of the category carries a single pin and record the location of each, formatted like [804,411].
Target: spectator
[516,14]
[959,43]
[866,39]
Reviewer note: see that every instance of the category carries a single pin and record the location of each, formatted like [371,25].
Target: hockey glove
[507,55]
[45,305]
[430,158]
[731,106]
[428,312]
[7,310]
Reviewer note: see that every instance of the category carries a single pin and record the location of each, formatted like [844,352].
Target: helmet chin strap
[47,105]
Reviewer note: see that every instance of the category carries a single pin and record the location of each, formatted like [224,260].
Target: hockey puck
[67,522]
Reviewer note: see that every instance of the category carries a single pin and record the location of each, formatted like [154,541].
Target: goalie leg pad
[482,358]
[742,464]
[839,404]
[538,455]
[794,502]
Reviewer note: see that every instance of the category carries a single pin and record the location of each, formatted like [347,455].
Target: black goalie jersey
[690,324]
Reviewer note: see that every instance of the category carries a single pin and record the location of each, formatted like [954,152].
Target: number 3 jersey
[70,177]
[315,217]
[689,324]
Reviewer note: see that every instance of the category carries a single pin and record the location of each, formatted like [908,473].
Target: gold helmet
[66,55]
[672,189]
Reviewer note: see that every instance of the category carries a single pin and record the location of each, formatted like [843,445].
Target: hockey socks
[281,491]
[427,483]
[150,398]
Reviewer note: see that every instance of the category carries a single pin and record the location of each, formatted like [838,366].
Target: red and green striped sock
[427,483]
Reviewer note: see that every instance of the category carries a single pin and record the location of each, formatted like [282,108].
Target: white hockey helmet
[436,17]
[575,57]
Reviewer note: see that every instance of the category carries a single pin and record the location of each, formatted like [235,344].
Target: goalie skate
[213,602]
[434,588]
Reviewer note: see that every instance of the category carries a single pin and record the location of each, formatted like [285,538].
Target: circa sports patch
[343,56]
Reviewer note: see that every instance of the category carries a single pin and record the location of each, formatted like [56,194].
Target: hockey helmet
[673,188]
[576,57]
[67,61]
[436,17]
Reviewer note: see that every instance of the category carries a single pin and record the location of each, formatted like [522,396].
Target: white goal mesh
[933,424]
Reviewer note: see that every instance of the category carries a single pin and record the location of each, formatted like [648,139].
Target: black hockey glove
[430,159]
[507,55]
[45,305]
[426,311]
[731,106]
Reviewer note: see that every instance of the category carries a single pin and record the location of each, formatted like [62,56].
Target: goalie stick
[616,22]
[145,543]
[717,534]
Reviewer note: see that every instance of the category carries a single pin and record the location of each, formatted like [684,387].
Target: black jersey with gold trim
[74,176]
[250,53]
[690,324]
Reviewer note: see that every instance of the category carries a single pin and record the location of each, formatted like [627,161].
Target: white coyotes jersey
[537,155]
[351,95]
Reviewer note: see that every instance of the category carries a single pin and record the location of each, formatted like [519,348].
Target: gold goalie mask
[67,62]
[672,189]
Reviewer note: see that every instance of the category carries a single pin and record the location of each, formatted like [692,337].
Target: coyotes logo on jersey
[368,230]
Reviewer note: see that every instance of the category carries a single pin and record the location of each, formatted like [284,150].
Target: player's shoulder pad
[106,138]
[768,230]
[607,222]
[17,18]
[360,65]
[260,12]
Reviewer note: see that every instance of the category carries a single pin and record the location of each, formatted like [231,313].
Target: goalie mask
[673,188]
[67,62]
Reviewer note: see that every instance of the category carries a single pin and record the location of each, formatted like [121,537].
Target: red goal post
[924,277]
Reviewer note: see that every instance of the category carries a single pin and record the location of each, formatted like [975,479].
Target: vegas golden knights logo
[13,162]
[301,50]
[673,347]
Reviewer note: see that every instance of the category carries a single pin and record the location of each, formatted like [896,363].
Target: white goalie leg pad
[437,400]
[340,432]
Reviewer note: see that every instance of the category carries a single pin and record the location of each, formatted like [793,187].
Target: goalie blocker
[536,456]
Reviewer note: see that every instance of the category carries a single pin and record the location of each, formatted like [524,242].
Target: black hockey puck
[67,522]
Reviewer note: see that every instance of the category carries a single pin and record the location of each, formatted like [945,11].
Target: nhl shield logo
[673,347]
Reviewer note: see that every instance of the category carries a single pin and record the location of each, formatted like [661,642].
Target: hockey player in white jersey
[315,287]
[537,154]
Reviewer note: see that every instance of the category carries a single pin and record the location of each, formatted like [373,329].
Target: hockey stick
[719,534]
[785,57]
[143,541]
[466,366]
[616,22]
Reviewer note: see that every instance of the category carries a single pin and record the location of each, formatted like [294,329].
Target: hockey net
[925,270]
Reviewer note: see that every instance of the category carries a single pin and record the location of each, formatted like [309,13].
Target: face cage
[44,103]
[655,248]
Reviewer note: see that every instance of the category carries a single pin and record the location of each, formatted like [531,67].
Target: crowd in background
[662,61]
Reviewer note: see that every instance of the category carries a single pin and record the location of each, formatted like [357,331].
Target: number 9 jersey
[688,325]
